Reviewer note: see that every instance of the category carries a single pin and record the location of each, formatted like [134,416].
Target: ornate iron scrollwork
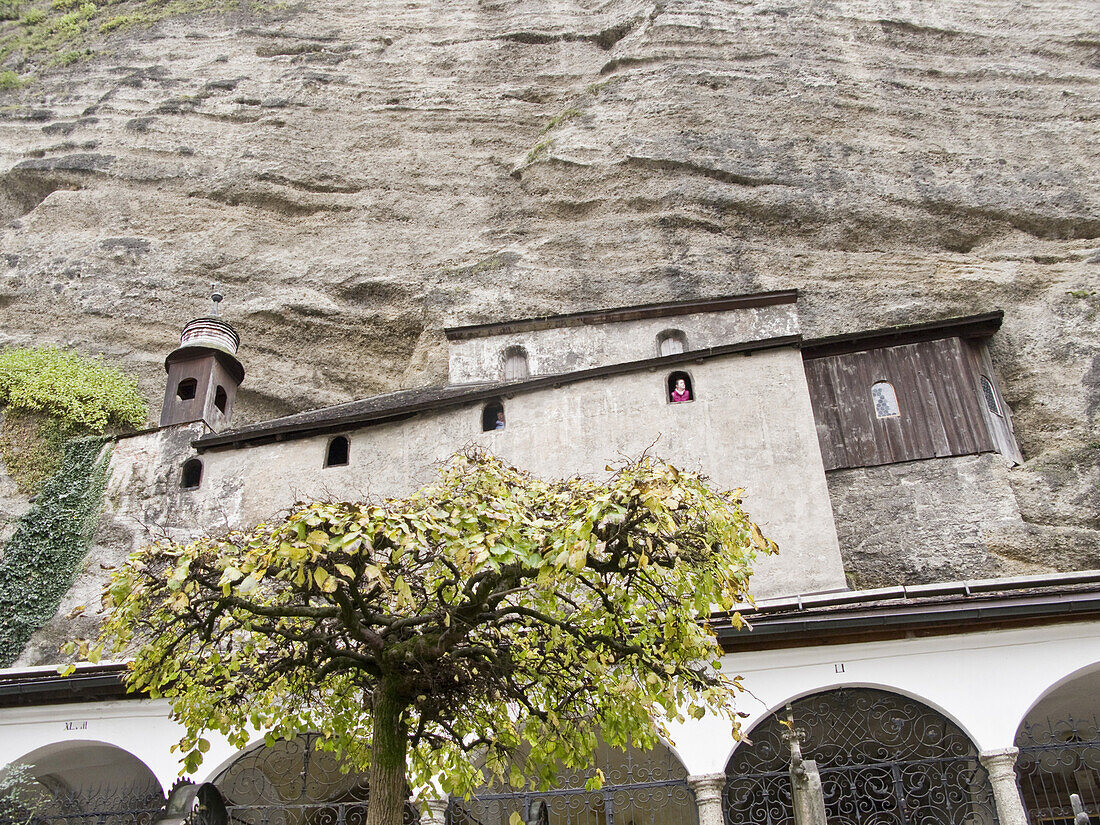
[640,788]
[1058,757]
[884,759]
[292,783]
[106,804]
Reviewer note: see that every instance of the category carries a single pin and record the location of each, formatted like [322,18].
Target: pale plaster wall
[985,682]
[750,426]
[571,348]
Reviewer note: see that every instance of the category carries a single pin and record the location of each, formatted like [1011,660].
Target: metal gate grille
[884,759]
[1059,757]
[290,783]
[641,788]
[136,804]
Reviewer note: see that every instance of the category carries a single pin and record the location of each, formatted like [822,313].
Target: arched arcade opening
[80,783]
[293,783]
[1059,742]
[884,759]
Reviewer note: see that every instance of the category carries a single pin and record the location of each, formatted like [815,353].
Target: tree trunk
[390,741]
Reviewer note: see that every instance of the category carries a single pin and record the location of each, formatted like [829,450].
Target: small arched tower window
[885,400]
[191,475]
[492,417]
[220,398]
[186,389]
[990,396]
[670,342]
[515,364]
[338,451]
[680,388]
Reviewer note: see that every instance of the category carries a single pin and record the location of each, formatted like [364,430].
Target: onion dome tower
[203,373]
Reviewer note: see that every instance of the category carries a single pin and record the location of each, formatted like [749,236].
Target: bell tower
[203,373]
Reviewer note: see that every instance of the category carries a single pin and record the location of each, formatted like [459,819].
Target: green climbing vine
[46,552]
[51,396]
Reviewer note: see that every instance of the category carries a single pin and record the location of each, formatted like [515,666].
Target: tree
[488,618]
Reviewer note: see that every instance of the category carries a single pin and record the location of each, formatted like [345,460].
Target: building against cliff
[966,695]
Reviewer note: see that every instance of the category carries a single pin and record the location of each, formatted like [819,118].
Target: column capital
[707,786]
[1000,760]
[433,811]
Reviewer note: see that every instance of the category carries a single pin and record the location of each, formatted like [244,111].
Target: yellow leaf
[346,572]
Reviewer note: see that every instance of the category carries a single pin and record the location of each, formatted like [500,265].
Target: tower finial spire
[216,297]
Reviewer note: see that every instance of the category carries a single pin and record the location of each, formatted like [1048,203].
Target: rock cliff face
[359,175]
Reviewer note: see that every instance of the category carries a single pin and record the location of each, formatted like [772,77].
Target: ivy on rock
[47,550]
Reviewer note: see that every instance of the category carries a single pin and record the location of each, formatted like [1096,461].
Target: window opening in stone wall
[492,417]
[670,342]
[515,364]
[885,400]
[990,396]
[186,389]
[191,475]
[220,398]
[679,388]
[338,450]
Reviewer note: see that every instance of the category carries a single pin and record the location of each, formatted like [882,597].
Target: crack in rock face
[342,169]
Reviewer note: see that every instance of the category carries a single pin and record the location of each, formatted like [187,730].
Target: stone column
[433,812]
[808,796]
[708,789]
[1001,765]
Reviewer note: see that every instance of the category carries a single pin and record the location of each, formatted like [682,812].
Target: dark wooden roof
[969,326]
[399,405]
[846,617]
[632,313]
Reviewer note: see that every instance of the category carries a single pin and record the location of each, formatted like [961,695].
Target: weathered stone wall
[944,519]
[360,175]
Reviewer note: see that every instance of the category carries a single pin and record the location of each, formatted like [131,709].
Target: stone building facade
[937,670]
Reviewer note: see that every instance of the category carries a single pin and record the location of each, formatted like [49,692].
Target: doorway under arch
[1059,742]
[640,788]
[83,783]
[884,759]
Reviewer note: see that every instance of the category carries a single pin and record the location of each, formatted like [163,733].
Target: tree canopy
[483,628]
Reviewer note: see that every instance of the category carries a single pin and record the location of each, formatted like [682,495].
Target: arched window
[186,389]
[220,398]
[492,417]
[191,475]
[679,387]
[670,342]
[990,396]
[885,400]
[515,364]
[338,450]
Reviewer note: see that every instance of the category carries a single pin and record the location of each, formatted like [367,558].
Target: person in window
[681,393]
[499,425]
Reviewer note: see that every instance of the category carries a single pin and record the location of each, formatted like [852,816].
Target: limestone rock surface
[359,175]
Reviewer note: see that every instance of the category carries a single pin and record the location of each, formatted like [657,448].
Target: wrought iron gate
[884,759]
[290,783]
[1059,757]
[640,788]
[106,804]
